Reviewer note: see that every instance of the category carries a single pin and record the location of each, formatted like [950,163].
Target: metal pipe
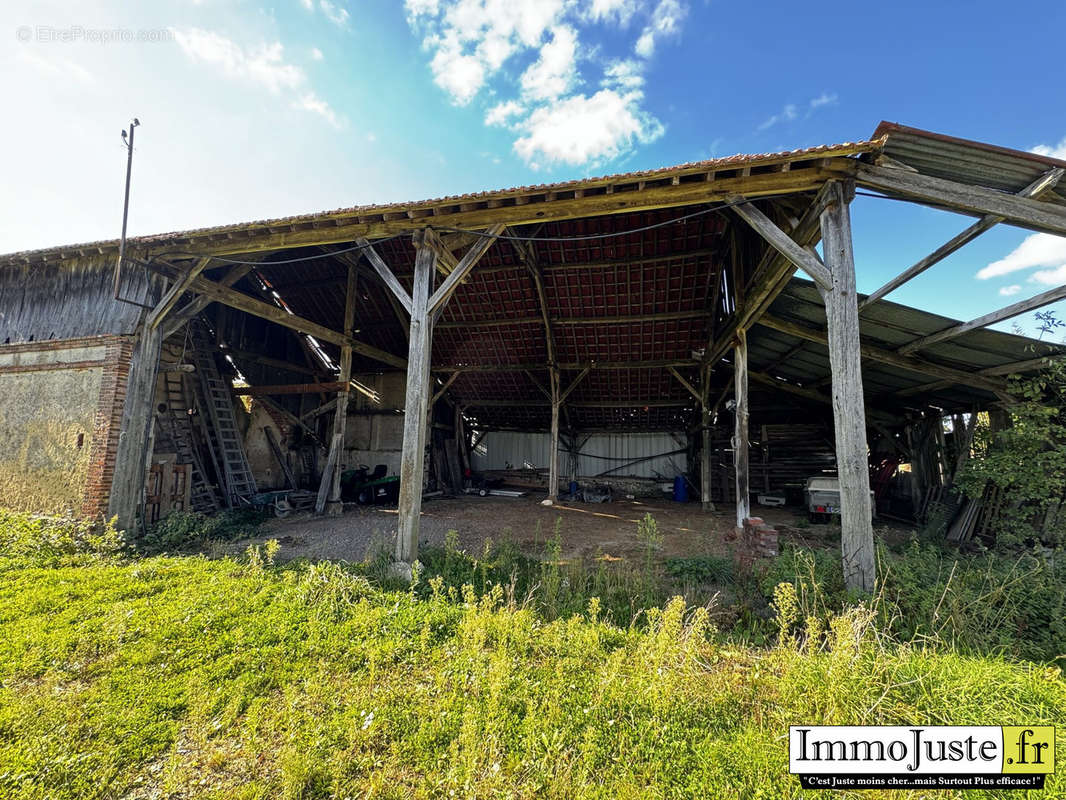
[125,208]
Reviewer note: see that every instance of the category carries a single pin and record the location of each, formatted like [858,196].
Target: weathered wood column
[553,458]
[331,476]
[849,410]
[127,484]
[416,405]
[740,433]
[705,442]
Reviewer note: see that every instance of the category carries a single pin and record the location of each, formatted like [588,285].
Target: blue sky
[253,110]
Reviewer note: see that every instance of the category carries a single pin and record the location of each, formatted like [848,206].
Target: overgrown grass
[184,676]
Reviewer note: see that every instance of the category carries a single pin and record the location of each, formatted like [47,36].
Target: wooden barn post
[416,406]
[705,443]
[849,411]
[131,458]
[740,434]
[331,477]
[553,458]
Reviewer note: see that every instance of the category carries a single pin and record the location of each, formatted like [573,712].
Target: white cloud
[824,99]
[555,71]
[1007,291]
[308,4]
[1036,250]
[1052,151]
[1050,277]
[620,11]
[792,112]
[316,105]
[316,54]
[472,42]
[665,21]
[787,114]
[579,129]
[500,113]
[334,13]
[263,65]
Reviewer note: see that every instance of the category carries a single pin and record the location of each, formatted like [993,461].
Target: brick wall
[62,421]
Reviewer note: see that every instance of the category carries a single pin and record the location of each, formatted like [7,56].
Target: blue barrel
[680,489]
[573,488]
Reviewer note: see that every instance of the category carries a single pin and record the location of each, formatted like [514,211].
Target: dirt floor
[587,529]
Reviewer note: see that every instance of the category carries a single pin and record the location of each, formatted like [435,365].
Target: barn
[696,324]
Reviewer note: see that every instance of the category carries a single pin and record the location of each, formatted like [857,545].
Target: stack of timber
[174,426]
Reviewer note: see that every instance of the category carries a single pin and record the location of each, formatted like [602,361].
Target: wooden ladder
[222,433]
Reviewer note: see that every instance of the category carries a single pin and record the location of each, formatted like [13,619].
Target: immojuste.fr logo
[922,757]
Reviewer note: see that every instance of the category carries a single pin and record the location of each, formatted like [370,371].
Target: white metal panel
[602,452]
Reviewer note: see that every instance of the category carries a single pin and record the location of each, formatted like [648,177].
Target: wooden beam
[288,388]
[175,292]
[964,198]
[195,306]
[259,308]
[573,384]
[341,228]
[740,430]
[791,388]
[533,379]
[386,274]
[700,396]
[706,420]
[444,292]
[572,365]
[498,322]
[1014,367]
[768,280]
[437,395]
[1044,182]
[528,256]
[805,259]
[849,408]
[1013,310]
[416,405]
[889,357]
[289,417]
[276,363]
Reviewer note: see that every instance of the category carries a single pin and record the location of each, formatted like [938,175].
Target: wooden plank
[416,405]
[849,408]
[1044,182]
[805,259]
[501,322]
[386,274]
[444,292]
[1011,311]
[740,430]
[889,357]
[289,417]
[964,198]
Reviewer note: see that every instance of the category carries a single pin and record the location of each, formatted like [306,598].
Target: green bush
[1010,604]
[180,530]
[50,540]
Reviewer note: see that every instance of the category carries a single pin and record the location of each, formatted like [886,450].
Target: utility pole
[128,141]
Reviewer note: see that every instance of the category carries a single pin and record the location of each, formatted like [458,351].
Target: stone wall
[59,423]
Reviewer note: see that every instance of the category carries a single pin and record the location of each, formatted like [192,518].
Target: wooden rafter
[1046,181]
[803,257]
[1011,311]
[444,292]
[886,356]
[386,274]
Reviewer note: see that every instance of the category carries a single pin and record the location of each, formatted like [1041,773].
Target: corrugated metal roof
[967,161]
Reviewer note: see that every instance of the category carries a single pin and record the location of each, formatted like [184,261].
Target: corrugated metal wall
[602,452]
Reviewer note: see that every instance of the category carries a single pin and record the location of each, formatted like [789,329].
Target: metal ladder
[223,435]
[176,424]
